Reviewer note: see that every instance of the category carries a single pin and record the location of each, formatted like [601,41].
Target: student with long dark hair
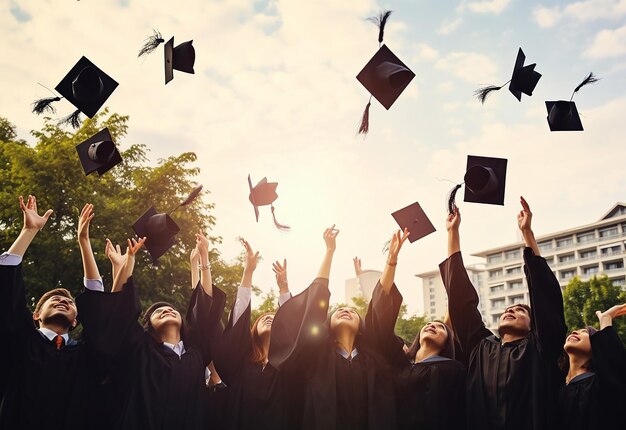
[512,378]
[349,386]
[594,394]
[429,382]
[259,395]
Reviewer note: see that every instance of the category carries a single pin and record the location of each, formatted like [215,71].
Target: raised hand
[453,221]
[114,254]
[251,259]
[395,245]
[126,271]
[330,234]
[202,244]
[281,276]
[134,246]
[86,215]
[606,317]
[525,216]
[357,266]
[32,220]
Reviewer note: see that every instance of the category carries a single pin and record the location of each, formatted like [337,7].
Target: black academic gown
[265,398]
[42,387]
[597,399]
[157,388]
[430,395]
[342,394]
[515,385]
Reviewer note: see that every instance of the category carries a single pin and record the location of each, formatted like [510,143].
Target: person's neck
[345,339]
[512,337]
[265,347]
[170,334]
[578,365]
[58,328]
[426,350]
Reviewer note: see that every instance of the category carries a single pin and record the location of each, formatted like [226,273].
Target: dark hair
[448,349]
[256,354]
[47,295]
[521,305]
[564,358]
[147,325]
[361,321]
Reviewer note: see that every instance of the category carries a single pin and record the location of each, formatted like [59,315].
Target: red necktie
[58,341]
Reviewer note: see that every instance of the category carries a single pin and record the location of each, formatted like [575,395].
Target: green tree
[269,304]
[582,299]
[51,170]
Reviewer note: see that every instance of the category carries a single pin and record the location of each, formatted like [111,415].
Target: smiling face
[264,324]
[515,320]
[345,318]
[578,342]
[434,333]
[164,316]
[56,308]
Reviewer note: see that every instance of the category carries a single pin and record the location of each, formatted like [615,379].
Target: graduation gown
[42,387]
[597,399]
[158,389]
[430,395]
[341,394]
[265,397]
[515,385]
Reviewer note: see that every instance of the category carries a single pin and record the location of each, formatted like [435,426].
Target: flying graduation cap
[563,115]
[415,220]
[85,86]
[485,180]
[523,80]
[181,57]
[98,153]
[384,76]
[159,229]
[263,194]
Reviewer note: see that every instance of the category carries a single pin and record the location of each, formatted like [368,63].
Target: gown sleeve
[299,327]
[609,359]
[380,322]
[233,346]
[203,319]
[15,318]
[469,327]
[109,321]
[546,303]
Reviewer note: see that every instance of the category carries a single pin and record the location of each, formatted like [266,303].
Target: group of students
[297,368]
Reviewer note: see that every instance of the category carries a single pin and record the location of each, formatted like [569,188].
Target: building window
[495,273]
[591,270]
[620,282]
[614,265]
[432,311]
[588,236]
[494,258]
[568,274]
[432,297]
[566,258]
[515,285]
[589,253]
[498,303]
[610,250]
[430,281]
[608,232]
[432,303]
[514,270]
[512,255]
[496,288]
[515,300]
[495,319]
[545,246]
[564,242]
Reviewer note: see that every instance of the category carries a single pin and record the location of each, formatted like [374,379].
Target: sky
[274,95]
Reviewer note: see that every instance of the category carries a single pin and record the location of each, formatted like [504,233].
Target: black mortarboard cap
[385,76]
[563,116]
[181,58]
[485,180]
[263,194]
[160,231]
[98,153]
[413,218]
[524,78]
[86,87]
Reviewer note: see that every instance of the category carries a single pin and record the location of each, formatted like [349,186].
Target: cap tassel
[151,43]
[452,197]
[380,21]
[278,225]
[190,198]
[482,93]
[364,128]
[590,79]
[44,105]
[73,119]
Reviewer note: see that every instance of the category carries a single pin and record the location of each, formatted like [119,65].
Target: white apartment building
[585,251]
[434,293]
[592,249]
[362,286]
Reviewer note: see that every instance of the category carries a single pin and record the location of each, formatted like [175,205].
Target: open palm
[32,220]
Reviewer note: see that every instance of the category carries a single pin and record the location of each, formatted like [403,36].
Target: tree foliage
[582,300]
[51,170]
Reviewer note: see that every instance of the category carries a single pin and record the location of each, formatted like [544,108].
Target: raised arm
[389,272]
[546,299]
[91,274]
[126,270]
[330,235]
[115,256]
[609,354]
[202,243]
[462,297]
[194,262]
[33,222]
[280,270]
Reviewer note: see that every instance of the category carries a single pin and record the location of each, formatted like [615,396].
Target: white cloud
[547,17]
[469,66]
[488,6]
[449,26]
[608,44]
[591,10]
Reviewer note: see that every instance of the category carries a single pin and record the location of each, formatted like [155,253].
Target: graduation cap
[415,220]
[563,115]
[485,180]
[160,229]
[181,57]
[98,153]
[523,80]
[263,194]
[384,76]
[85,86]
